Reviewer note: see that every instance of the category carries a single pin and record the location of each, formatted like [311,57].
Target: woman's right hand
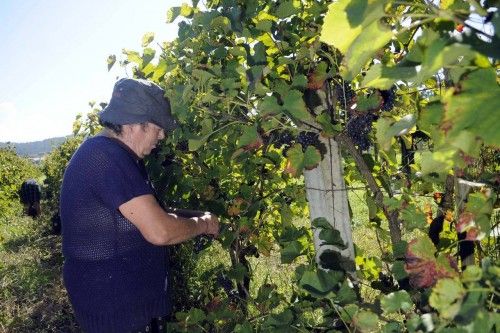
[211,223]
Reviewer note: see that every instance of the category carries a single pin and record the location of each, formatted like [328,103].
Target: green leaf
[269,106]
[365,321]
[249,137]
[446,297]
[414,218]
[291,251]
[368,102]
[159,71]
[147,55]
[321,222]
[221,22]
[111,61]
[312,157]
[346,294]
[463,114]
[383,77]
[398,270]
[238,272]
[286,8]
[195,316]
[472,273]
[295,105]
[172,14]
[354,28]
[195,143]
[396,301]
[320,283]
[186,10]
[147,38]
[422,247]
[133,56]
[332,237]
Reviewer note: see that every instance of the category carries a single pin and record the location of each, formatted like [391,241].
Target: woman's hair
[117,129]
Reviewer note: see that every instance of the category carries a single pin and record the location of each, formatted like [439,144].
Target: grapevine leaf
[159,71]
[312,157]
[414,218]
[222,23]
[362,32]
[295,160]
[195,143]
[172,14]
[133,56]
[321,222]
[111,61]
[346,294]
[147,38]
[269,106]
[393,327]
[195,316]
[295,105]
[446,297]
[396,301]
[437,163]
[398,270]
[403,125]
[384,77]
[472,273]
[365,321]
[384,139]
[462,113]
[320,283]
[286,9]
[186,10]
[147,55]
[291,251]
[422,248]
[365,103]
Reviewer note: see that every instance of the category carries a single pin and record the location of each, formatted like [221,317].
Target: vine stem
[392,216]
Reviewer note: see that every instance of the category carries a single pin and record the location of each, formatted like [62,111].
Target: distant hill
[35,149]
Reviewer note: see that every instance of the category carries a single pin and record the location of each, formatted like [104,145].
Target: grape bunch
[345,94]
[224,282]
[308,139]
[182,146]
[388,97]
[201,243]
[284,138]
[358,129]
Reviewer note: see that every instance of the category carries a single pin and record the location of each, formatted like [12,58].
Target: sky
[54,56]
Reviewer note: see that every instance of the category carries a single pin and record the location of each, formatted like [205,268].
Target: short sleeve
[119,178]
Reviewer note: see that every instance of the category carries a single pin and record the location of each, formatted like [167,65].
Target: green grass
[32,298]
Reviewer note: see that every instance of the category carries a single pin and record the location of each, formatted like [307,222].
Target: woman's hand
[211,222]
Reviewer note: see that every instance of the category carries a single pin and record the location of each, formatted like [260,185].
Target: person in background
[30,194]
[114,229]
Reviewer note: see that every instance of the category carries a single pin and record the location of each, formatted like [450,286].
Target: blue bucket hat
[137,101]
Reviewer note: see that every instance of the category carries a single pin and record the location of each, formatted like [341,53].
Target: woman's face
[145,137]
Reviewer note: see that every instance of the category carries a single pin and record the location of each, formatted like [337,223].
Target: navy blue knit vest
[116,280]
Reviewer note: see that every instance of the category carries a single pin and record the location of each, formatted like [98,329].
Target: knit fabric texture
[116,280]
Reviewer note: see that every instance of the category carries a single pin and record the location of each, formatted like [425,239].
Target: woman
[114,230]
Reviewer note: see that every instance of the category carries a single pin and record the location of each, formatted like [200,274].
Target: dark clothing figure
[30,195]
[116,280]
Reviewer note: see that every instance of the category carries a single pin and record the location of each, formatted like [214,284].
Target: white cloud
[21,126]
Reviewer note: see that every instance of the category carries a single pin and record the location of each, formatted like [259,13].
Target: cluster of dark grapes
[182,146]
[284,138]
[225,283]
[358,129]
[308,139]
[345,94]
[389,97]
[168,160]
[201,243]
